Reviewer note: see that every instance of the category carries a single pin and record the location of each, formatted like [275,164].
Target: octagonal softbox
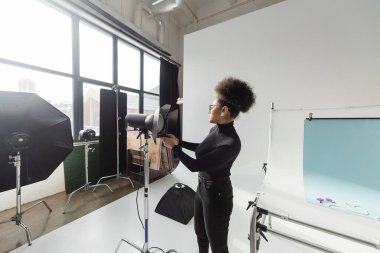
[50,136]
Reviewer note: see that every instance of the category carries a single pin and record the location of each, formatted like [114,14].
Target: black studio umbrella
[49,130]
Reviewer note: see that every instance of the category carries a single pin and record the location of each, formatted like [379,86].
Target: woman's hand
[173,138]
[170,141]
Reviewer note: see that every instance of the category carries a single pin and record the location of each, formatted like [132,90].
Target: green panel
[74,166]
[94,163]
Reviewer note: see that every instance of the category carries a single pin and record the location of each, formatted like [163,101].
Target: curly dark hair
[236,94]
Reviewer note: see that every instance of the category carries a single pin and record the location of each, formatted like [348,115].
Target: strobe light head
[156,123]
[18,141]
[86,135]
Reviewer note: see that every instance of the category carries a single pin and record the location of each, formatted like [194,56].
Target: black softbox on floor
[177,203]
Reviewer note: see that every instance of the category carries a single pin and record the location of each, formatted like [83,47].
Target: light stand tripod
[117,175]
[87,185]
[145,248]
[18,217]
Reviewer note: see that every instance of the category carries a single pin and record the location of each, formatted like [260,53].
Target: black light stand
[117,175]
[22,143]
[145,248]
[87,136]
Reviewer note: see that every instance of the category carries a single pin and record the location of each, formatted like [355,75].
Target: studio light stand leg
[145,248]
[254,237]
[117,175]
[18,217]
[87,186]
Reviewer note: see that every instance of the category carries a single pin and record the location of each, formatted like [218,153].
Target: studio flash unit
[157,123]
[86,135]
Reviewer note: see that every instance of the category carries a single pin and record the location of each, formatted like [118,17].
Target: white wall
[297,54]
[52,185]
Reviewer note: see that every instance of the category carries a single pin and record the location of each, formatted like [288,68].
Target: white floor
[101,230]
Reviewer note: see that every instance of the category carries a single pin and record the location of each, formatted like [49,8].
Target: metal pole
[303,242]
[86,149]
[253,236]
[270,131]
[17,218]
[257,225]
[17,163]
[117,132]
[146,193]
[374,245]
[145,248]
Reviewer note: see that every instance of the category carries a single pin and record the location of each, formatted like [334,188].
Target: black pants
[212,211]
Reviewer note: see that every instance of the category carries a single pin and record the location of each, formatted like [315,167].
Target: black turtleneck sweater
[214,155]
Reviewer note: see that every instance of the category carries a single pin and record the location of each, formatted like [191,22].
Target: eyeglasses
[210,107]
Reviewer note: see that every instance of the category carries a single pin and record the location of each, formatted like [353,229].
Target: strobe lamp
[157,123]
[86,135]
[19,141]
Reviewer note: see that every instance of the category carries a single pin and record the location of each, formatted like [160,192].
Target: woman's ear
[225,109]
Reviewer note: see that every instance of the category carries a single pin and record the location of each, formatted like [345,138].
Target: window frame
[78,80]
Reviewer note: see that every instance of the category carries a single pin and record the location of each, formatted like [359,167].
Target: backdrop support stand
[145,248]
[118,174]
[18,217]
[87,186]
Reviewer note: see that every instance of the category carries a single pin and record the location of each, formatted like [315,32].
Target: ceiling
[196,4]
[201,13]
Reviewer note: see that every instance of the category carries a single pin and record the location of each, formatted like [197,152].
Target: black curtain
[169,90]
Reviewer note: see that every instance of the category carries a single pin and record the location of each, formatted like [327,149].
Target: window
[95,53]
[151,74]
[91,106]
[57,90]
[151,103]
[128,65]
[132,102]
[37,55]
[36,34]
